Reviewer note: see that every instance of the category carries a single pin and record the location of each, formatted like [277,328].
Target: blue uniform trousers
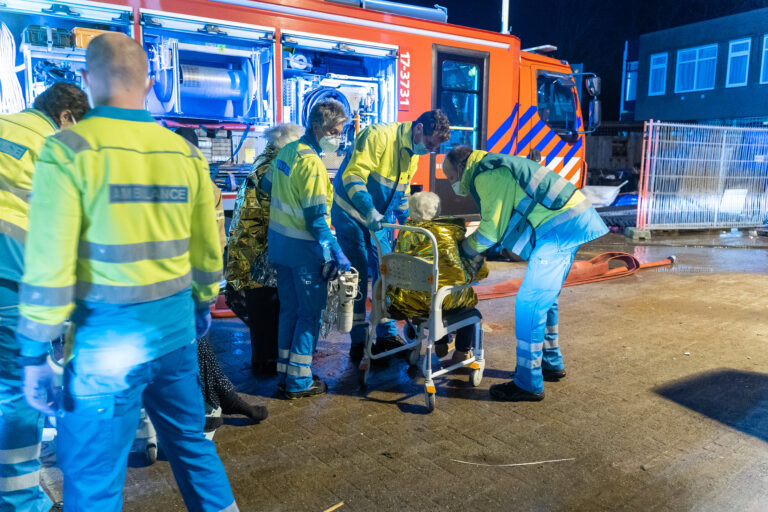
[97,427]
[356,243]
[21,426]
[536,313]
[302,293]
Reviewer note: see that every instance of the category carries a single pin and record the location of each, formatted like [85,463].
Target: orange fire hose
[582,272]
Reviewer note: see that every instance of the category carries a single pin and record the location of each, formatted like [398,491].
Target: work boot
[356,352]
[552,375]
[318,387]
[232,403]
[442,346]
[460,356]
[386,344]
[510,392]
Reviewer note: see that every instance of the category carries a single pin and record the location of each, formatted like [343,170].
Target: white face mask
[457,189]
[330,143]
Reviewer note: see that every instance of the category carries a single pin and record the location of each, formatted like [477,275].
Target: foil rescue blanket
[247,265]
[452,270]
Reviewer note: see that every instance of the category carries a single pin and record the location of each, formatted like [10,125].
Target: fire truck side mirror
[595,114]
[594,86]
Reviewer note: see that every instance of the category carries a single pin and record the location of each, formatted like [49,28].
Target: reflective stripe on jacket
[370,172]
[21,137]
[122,214]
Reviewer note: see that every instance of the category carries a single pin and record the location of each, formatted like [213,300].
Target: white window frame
[695,68]
[629,82]
[764,58]
[732,54]
[651,68]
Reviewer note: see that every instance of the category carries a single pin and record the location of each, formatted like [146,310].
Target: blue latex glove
[373,220]
[202,321]
[42,388]
[341,259]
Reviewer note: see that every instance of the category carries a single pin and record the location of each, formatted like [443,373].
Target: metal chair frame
[410,272]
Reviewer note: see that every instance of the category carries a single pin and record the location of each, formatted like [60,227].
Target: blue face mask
[420,149]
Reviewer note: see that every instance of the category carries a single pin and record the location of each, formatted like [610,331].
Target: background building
[714,71]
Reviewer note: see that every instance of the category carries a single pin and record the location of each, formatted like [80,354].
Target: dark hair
[535,155]
[62,96]
[458,156]
[435,123]
[187,133]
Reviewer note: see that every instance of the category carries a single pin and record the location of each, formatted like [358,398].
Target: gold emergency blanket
[247,264]
[452,270]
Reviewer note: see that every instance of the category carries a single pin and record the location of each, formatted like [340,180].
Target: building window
[631,85]
[764,67]
[696,68]
[657,77]
[738,62]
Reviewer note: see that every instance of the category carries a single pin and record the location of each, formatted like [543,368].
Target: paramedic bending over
[543,218]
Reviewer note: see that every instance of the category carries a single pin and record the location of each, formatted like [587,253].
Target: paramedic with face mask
[372,186]
[302,246]
[21,138]
[123,238]
[542,217]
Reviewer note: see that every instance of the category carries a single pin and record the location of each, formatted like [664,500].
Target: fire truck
[232,68]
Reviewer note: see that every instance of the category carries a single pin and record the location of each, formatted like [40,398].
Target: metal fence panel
[697,177]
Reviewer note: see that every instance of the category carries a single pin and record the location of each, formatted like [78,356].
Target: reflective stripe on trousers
[302,294]
[21,426]
[536,313]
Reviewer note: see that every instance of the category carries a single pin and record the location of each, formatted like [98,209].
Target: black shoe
[57,507]
[356,353]
[232,403]
[318,387]
[212,423]
[552,375]
[441,346]
[386,344]
[509,392]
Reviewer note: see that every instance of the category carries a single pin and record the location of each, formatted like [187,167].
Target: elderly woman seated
[449,233]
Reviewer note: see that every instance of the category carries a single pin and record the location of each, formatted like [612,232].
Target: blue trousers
[356,243]
[21,426]
[302,293]
[98,424]
[536,313]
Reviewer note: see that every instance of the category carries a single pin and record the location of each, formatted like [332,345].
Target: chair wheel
[413,356]
[151,452]
[476,377]
[429,398]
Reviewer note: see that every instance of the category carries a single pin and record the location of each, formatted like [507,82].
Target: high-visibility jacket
[380,166]
[522,201]
[123,229]
[21,137]
[301,199]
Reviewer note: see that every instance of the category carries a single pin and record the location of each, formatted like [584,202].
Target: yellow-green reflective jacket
[21,137]
[368,177]
[122,222]
[520,201]
[301,199]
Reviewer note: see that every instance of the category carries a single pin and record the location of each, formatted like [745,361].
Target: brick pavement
[648,427]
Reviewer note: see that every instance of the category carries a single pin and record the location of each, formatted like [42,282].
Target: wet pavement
[665,407]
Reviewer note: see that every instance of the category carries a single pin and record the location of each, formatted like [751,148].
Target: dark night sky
[589,31]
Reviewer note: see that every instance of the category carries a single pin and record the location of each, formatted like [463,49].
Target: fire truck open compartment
[361,76]
[209,69]
[50,40]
